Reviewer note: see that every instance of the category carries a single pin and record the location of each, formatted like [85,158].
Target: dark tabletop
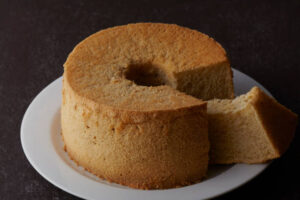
[262,39]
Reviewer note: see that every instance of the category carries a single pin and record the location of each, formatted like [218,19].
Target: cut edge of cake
[252,128]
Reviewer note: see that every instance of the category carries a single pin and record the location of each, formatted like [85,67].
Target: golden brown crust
[278,121]
[144,186]
[180,52]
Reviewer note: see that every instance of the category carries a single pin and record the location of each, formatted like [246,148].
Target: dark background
[261,38]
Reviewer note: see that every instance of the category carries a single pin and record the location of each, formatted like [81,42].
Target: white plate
[43,147]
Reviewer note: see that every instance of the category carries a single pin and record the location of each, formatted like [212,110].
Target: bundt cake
[124,117]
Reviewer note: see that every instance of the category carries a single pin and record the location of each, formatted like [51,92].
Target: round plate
[43,147]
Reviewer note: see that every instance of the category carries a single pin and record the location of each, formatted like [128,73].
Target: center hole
[146,74]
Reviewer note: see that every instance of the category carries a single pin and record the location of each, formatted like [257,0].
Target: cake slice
[252,128]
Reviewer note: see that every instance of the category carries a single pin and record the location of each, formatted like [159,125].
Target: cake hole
[87,126]
[146,74]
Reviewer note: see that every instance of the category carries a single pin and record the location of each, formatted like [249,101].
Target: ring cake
[124,116]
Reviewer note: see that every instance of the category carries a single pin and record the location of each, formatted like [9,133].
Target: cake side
[148,150]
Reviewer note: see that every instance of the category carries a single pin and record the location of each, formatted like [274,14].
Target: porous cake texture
[252,128]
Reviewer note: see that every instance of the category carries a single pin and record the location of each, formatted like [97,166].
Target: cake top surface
[133,66]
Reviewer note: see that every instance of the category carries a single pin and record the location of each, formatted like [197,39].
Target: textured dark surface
[261,38]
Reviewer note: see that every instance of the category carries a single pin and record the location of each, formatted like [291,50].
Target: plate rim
[156,194]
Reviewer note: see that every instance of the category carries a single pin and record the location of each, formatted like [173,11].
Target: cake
[124,115]
[253,128]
